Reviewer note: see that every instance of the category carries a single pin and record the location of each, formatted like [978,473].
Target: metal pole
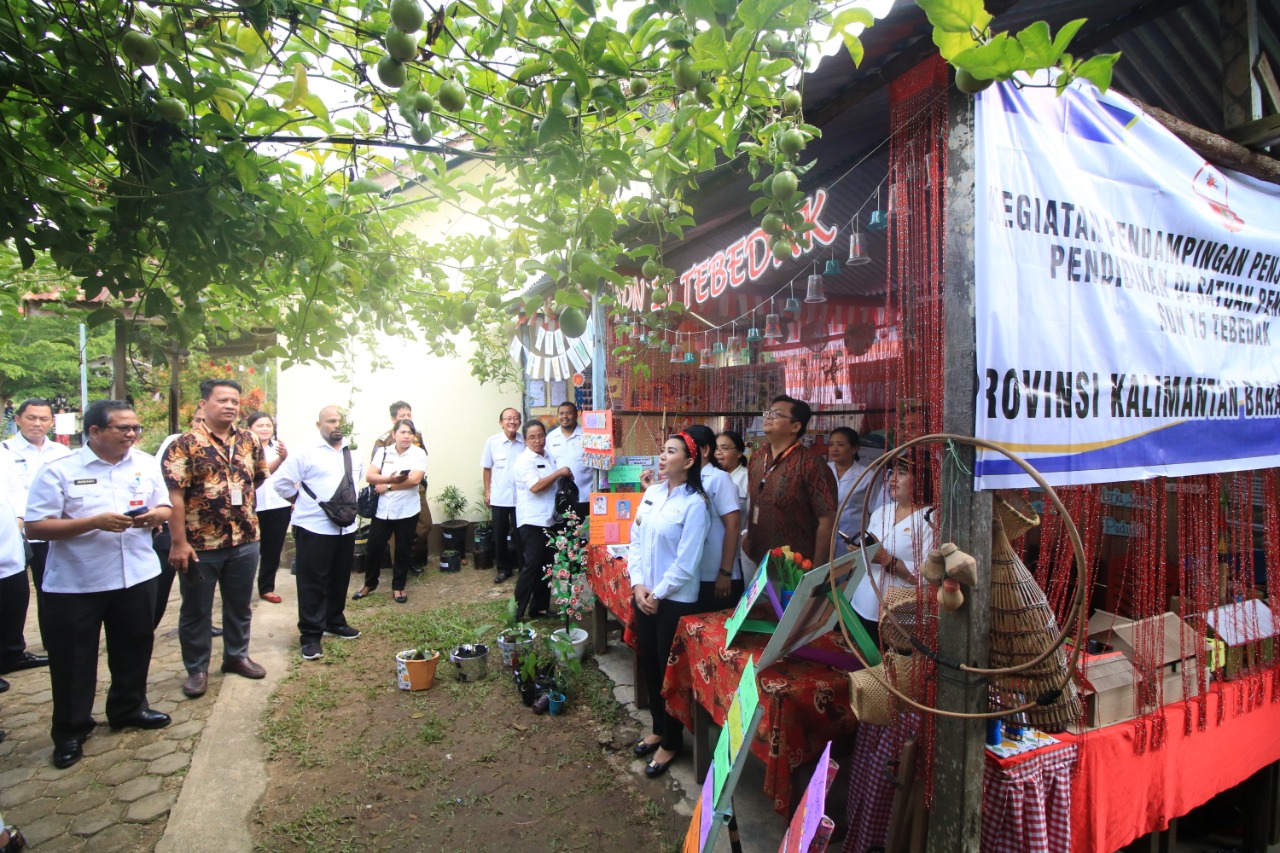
[84,370]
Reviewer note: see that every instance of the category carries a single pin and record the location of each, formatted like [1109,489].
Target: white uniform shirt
[536,509]
[500,454]
[909,540]
[739,477]
[568,452]
[850,521]
[399,503]
[13,496]
[81,485]
[28,458]
[723,495]
[320,466]
[265,496]
[667,536]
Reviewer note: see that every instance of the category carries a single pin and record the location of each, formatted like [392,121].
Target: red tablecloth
[805,704]
[1122,794]
[611,584]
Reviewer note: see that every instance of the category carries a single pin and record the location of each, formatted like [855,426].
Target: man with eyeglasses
[792,491]
[498,462]
[30,448]
[96,508]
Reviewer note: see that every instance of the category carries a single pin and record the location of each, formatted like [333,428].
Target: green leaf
[588,7]
[574,69]
[1065,34]
[593,45]
[951,45]
[846,18]
[527,70]
[363,186]
[759,206]
[995,60]
[955,16]
[758,14]
[554,125]
[703,10]
[1097,70]
[853,45]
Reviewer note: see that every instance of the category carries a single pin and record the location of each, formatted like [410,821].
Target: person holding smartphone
[396,471]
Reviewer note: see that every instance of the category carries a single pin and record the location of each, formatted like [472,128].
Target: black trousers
[506,540]
[533,592]
[380,532]
[654,636]
[708,602]
[273,524]
[72,624]
[15,596]
[324,572]
[583,511]
[39,555]
[161,543]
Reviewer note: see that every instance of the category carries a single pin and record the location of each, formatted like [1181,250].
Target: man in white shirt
[498,461]
[96,508]
[31,448]
[325,551]
[565,444]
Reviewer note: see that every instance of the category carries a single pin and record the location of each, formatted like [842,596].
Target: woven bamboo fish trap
[1023,626]
[873,704]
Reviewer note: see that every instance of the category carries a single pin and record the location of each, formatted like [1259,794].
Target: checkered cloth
[1026,807]
[872,782]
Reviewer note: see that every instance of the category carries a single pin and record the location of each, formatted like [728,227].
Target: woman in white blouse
[904,528]
[844,462]
[395,473]
[273,510]
[667,536]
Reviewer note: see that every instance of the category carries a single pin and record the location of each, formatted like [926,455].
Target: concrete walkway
[120,796]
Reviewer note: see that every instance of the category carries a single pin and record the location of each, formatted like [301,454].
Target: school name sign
[1128,296]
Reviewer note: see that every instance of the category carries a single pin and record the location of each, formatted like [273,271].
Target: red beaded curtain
[915,182]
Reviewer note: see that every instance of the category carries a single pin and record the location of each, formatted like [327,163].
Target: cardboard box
[1177,644]
[1247,630]
[1107,684]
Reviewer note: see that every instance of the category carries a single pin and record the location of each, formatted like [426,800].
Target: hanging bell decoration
[643,339]
[689,358]
[832,267]
[655,341]
[717,348]
[950,596]
[753,334]
[665,346]
[814,292]
[734,343]
[677,353]
[792,306]
[706,361]
[857,255]
[878,221]
[772,326]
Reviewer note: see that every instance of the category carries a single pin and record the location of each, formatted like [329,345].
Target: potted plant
[416,668]
[570,593]
[482,536]
[516,637]
[536,672]
[453,530]
[450,560]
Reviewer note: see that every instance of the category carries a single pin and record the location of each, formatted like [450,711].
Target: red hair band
[688,442]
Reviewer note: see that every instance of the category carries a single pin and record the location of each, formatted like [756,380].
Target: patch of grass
[591,687]
[432,730]
[292,731]
[318,829]
[652,809]
[445,627]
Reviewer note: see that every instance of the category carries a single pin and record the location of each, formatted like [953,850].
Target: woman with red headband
[667,535]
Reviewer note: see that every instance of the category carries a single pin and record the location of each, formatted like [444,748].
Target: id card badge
[237,496]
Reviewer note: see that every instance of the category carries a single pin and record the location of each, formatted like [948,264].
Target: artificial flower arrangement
[568,571]
[788,567]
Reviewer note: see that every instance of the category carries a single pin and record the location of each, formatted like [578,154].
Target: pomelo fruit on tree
[407,15]
[573,322]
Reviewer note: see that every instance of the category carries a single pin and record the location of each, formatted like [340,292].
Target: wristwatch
[726,574]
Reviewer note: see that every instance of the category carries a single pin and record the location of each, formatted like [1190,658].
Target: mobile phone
[136,511]
[405,472]
[858,539]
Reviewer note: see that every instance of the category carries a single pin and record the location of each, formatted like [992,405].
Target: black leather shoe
[217,632]
[501,576]
[26,660]
[641,749]
[66,754]
[3,735]
[147,719]
[4,685]
[654,769]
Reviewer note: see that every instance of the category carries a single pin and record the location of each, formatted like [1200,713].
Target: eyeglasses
[770,414]
[127,428]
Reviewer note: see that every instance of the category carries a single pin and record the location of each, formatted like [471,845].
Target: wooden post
[175,389]
[120,362]
[1238,33]
[956,821]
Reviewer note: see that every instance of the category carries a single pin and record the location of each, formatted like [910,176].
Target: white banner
[1128,296]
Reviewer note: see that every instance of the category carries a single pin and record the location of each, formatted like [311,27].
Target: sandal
[16,842]
[400,597]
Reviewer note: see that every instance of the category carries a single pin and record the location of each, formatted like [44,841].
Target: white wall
[452,409]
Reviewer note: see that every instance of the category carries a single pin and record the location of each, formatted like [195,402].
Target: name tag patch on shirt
[88,482]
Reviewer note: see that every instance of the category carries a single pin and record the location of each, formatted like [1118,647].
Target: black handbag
[367,500]
[341,507]
[566,497]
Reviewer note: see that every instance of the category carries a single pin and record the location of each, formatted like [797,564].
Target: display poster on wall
[1127,296]
[597,439]
[611,515]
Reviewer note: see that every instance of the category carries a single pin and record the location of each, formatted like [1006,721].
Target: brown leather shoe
[243,666]
[195,685]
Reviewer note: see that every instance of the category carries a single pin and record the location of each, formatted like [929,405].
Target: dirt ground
[358,765]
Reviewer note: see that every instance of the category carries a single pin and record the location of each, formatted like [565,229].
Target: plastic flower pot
[416,673]
[511,647]
[555,703]
[470,661]
[577,638]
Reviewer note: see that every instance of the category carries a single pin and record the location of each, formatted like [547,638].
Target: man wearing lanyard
[212,473]
[31,448]
[792,491]
[96,509]
[565,444]
[500,454]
